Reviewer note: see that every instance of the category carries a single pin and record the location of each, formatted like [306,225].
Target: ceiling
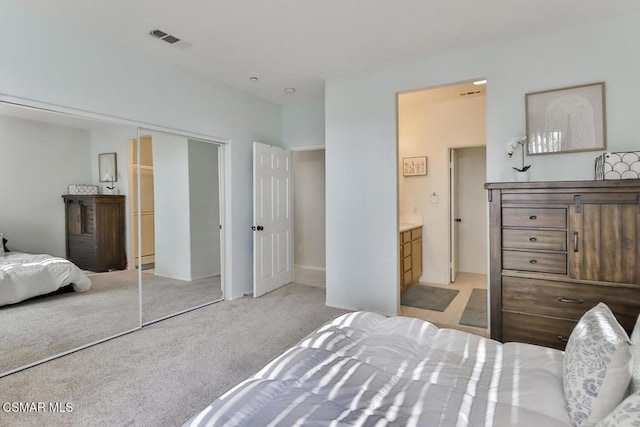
[452,92]
[301,43]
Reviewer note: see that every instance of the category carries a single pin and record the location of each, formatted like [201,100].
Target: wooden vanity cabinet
[556,250]
[95,231]
[410,257]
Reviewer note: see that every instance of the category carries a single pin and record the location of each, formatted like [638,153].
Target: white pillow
[627,414]
[596,366]
[634,385]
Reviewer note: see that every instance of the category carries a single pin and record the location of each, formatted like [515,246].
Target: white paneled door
[453,217]
[272,218]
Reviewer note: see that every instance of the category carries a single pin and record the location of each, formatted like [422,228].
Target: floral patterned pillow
[634,386]
[596,366]
[627,414]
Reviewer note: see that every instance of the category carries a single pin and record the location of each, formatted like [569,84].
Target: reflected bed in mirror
[50,303]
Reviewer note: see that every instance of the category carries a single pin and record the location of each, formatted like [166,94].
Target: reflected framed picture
[413,166]
[107,167]
[566,120]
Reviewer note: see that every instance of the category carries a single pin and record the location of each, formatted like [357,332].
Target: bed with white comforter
[363,369]
[23,276]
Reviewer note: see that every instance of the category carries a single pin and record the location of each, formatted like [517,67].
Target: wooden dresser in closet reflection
[95,231]
[556,250]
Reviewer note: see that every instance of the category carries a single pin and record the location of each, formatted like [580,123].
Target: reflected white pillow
[627,414]
[596,366]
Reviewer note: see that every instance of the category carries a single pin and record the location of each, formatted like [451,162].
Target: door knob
[458,220]
[259,228]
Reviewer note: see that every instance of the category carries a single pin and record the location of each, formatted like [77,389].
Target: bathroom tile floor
[450,318]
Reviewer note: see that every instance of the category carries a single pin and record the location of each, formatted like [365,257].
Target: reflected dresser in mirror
[95,234]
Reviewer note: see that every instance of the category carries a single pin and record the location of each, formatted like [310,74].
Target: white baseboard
[343,307]
[308,267]
[205,277]
[312,276]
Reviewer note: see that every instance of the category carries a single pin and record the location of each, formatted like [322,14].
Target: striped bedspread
[364,369]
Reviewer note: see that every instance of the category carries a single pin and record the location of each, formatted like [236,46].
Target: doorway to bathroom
[445,127]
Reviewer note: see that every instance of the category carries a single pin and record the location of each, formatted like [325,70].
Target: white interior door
[471,205]
[453,219]
[272,218]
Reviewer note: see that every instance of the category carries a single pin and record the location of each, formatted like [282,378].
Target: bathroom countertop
[405,226]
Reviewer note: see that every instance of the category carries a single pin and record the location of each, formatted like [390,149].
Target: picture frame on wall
[414,166]
[107,167]
[566,120]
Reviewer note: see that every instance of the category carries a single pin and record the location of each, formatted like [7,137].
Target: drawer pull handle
[533,217]
[562,339]
[575,241]
[533,239]
[570,300]
[533,261]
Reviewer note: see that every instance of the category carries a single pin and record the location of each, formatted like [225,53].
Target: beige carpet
[164,373]
[45,326]
[162,296]
[39,328]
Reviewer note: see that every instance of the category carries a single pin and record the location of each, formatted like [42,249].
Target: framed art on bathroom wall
[412,166]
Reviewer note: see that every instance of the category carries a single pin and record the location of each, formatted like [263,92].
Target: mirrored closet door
[179,216]
[68,279]
[91,208]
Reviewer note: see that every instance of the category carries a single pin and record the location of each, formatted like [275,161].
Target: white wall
[204,208]
[431,129]
[361,129]
[171,200]
[308,209]
[38,161]
[303,124]
[115,139]
[471,201]
[67,68]
[112,139]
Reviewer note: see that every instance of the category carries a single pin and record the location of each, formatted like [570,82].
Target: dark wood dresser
[556,250]
[94,228]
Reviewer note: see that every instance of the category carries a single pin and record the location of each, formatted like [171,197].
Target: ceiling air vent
[159,34]
[474,92]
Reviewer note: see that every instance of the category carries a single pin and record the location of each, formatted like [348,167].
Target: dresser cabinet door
[603,241]
[416,260]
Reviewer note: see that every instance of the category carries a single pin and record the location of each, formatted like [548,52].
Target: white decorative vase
[522,176]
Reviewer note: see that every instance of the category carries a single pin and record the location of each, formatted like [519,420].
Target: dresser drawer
[405,237]
[543,262]
[82,251]
[569,300]
[534,217]
[539,330]
[551,240]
